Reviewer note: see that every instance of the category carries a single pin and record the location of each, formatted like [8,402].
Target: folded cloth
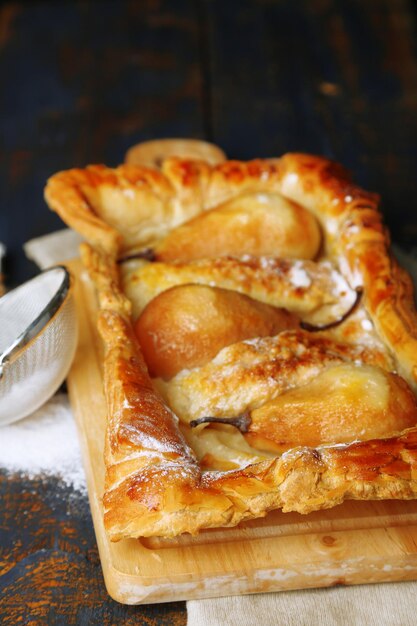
[54,248]
[387,604]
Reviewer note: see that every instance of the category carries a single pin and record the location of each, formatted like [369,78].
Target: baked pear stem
[340,402]
[147,254]
[312,328]
[241,422]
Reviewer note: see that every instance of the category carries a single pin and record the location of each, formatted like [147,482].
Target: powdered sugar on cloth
[45,443]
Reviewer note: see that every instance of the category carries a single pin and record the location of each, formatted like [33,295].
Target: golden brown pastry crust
[154,484]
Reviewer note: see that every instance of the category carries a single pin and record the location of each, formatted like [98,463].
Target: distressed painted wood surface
[82,81]
[49,564]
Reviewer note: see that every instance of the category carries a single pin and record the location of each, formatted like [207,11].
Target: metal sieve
[38,337]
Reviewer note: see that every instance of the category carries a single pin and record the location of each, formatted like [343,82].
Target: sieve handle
[13,351]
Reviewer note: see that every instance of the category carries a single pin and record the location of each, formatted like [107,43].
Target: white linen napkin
[387,604]
[54,248]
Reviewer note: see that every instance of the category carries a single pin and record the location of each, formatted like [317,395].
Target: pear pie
[260,340]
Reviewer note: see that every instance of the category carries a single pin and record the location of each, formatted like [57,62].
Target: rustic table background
[83,81]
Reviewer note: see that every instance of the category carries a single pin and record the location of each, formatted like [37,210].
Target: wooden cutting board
[357,542]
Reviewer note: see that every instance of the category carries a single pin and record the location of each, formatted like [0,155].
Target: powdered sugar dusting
[340,283]
[298,276]
[269,263]
[44,444]
[263,198]
[366,324]
[37,389]
[129,193]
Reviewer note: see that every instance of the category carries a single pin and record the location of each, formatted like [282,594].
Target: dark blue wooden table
[80,82]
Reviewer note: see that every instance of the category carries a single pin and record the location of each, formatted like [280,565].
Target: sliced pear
[259,224]
[186,326]
[342,404]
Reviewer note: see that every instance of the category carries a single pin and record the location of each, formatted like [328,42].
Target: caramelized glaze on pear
[186,326]
[258,224]
[343,403]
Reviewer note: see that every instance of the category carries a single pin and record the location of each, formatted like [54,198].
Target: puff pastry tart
[261,341]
